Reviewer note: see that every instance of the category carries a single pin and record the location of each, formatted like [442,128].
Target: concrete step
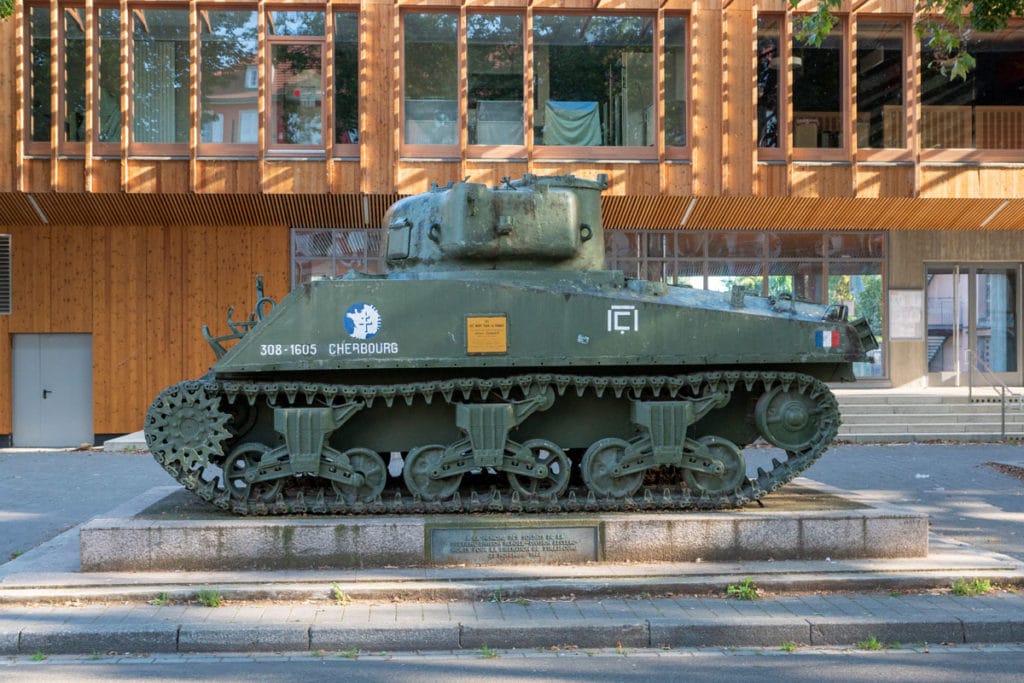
[935,428]
[915,437]
[976,420]
[926,409]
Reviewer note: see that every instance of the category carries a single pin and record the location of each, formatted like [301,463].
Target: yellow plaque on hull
[486,334]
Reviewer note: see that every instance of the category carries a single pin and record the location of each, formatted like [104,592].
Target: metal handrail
[974,360]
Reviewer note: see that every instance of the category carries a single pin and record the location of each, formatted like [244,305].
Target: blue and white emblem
[362,321]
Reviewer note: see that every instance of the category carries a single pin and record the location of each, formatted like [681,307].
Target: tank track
[186,432]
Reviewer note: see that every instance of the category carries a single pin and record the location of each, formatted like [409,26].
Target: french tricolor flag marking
[826,338]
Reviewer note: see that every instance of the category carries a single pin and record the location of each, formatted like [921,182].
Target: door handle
[46,393]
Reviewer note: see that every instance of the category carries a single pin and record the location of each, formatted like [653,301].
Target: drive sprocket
[185,426]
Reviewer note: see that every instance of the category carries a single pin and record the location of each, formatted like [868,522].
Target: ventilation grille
[5,274]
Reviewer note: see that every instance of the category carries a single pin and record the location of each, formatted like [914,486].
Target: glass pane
[108,128]
[800,278]
[983,110]
[346,78]
[431,79]
[735,244]
[621,248]
[690,244]
[855,245]
[996,317]
[947,306]
[723,275]
[495,72]
[794,245]
[769,60]
[817,86]
[859,287]
[160,76]
[74,75]
[675,81]
[881,117]
[594,78]
[296,23]
[296,95]
[39,73]
[228,83]
[686,274]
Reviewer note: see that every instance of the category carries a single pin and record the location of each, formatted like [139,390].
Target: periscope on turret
[505,368]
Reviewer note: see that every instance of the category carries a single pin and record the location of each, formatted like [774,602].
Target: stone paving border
[813,620]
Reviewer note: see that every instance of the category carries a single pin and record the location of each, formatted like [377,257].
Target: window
[324,253]
[108,91]
[770,71]
[227,67]
[495,77]
[986,109]
[296,82]
[881,114]
[73,81]
[39,78]
[593,81]
[818,75]
[346,82]
[430,61]
[160,81]
[675,82]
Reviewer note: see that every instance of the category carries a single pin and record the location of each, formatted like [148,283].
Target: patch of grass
[340,596]
[16,554]
[620,649]
[38,656]
[161,600]
[350,654]
[788,646]
[487,653]
[210,598]
[522,602]
[872,643]
[497,597]
[318,653]
[743,591]
[972,587]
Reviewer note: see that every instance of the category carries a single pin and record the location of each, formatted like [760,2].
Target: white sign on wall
[906,314]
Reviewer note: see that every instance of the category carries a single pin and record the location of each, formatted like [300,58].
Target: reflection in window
[594,79]
[160,64]
[817,91]
[986,109]
[495,70]
[431,79]
[227,54]
[108,127]
[319,253]
[881,119]
[74,75]
[675,81]
[39,74]
[769,61]
[346,78]
[296,79]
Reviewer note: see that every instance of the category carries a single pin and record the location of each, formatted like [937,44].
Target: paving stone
[847,630]
[985,629]
[97,637]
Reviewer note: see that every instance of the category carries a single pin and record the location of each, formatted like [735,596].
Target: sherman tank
[497,365]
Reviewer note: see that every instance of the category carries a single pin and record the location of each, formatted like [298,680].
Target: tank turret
[498,360]
[531,223]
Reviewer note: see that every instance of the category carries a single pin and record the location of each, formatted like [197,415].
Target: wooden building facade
[155,156]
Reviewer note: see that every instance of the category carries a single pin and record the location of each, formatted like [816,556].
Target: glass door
[972,325]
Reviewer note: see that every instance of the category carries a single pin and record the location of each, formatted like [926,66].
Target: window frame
[342,150]
[516,152]
[844,152]
[275,150]
[101,148]
[155,149]
[910,92]
[673,152]
[426,150]
[38,148]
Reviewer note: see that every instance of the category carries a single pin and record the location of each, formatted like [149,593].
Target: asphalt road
[932,665]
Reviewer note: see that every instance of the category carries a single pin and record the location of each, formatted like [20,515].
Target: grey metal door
[52,390]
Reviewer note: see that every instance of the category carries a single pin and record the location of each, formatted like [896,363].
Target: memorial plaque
[513,545]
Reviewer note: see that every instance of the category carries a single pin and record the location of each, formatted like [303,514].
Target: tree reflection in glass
[228,83]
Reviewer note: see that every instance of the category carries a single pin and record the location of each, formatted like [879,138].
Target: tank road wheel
[185,424]
[559,468]
[419,464]
[244,458]
[732,460]
[787,419]
[600,464]
[375,474]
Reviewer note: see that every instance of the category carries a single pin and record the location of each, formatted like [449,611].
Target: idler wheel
[375,475]
[419,465]
[788,419]
[734,468]
[559,467]
[185,425]
[244,458]
[601,468]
